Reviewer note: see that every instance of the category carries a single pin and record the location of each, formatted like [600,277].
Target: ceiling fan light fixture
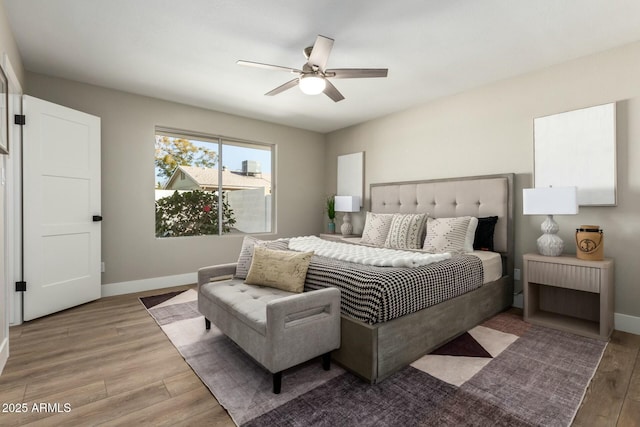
[314,78]
[312,84]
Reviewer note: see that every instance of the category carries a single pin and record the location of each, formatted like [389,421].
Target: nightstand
[569,294]
[337,237]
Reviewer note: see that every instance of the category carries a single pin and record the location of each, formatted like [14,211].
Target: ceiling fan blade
[356,73]
[282,88]
[320,52]
[333,93]
[268,66]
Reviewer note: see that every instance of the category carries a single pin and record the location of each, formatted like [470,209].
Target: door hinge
[20,119]
[21,286]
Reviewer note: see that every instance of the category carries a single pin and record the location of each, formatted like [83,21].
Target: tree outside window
[192,192]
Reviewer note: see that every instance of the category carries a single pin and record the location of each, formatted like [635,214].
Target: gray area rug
[502,373]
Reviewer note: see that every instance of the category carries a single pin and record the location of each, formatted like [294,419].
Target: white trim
[13,193]
[132,286]
[626,323]
[4,353]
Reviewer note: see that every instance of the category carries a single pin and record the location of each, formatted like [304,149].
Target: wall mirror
[578,148]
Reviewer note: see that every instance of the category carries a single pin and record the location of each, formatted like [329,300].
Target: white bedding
[491,261]
[366,255]
[491,264]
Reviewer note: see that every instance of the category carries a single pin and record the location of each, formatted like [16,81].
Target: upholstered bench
[277,328]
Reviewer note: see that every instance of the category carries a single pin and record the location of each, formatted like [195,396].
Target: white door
[61,191]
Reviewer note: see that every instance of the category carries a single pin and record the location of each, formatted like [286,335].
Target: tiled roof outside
[208,177]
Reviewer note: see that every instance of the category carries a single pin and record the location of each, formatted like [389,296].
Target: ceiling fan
[313,78]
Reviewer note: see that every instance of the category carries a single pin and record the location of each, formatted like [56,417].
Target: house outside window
[201,179]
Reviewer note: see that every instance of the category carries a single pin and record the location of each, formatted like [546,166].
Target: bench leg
[326,361]
[207,323]
[277,382]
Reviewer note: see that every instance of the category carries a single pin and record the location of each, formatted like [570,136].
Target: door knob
[97,218]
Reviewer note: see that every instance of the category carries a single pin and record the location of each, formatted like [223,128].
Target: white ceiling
[186,51]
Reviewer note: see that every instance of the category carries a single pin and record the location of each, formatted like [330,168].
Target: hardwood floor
[112,365]
[613,397]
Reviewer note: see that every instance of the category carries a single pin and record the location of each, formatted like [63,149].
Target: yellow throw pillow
[284,270]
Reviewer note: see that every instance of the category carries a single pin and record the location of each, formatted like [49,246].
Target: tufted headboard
[479,196]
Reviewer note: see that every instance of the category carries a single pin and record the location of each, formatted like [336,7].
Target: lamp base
[550,244]
[346,228]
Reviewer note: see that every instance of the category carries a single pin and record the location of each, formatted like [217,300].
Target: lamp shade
[550,201]
[347,203]
[312,84]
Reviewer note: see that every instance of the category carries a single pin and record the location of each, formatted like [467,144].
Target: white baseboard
[4,353]
[121,288]
[626,323]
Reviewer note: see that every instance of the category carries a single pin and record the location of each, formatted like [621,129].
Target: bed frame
[374,352]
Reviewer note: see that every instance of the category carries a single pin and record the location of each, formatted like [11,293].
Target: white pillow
[471,234]
[246,252]
[376,228]
[447,235]
[406,231]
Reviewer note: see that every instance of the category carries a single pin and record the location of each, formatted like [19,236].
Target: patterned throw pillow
[406,231]
[246,252]
[284,270]
[376,229]
[446,234]
[471,234]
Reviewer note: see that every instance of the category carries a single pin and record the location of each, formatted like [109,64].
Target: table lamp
[550,201]
[347,204]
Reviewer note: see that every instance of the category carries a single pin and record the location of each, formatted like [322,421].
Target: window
[193,191]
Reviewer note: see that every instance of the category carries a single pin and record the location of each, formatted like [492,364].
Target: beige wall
[129,248]
[8,45]
[490,130]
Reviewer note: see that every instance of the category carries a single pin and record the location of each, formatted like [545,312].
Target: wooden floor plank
[74,398]
[214,417]
[14,332]
[69,362]
[62,348]
[169,412]
[106,409]
[81,318]
[630,414]
[113,364]
[74,373]
[11,396]
[634,384]
[182,383]
[607,392]
[148,368]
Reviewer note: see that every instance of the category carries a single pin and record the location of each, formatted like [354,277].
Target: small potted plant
[331,213]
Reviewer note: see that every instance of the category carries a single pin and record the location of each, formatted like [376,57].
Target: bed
[375,351]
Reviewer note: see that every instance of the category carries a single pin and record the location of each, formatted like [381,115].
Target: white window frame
[220,141]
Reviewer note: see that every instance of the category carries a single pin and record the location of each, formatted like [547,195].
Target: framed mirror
[578,148]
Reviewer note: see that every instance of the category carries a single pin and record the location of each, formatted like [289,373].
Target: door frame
[14,201]
[11,169]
